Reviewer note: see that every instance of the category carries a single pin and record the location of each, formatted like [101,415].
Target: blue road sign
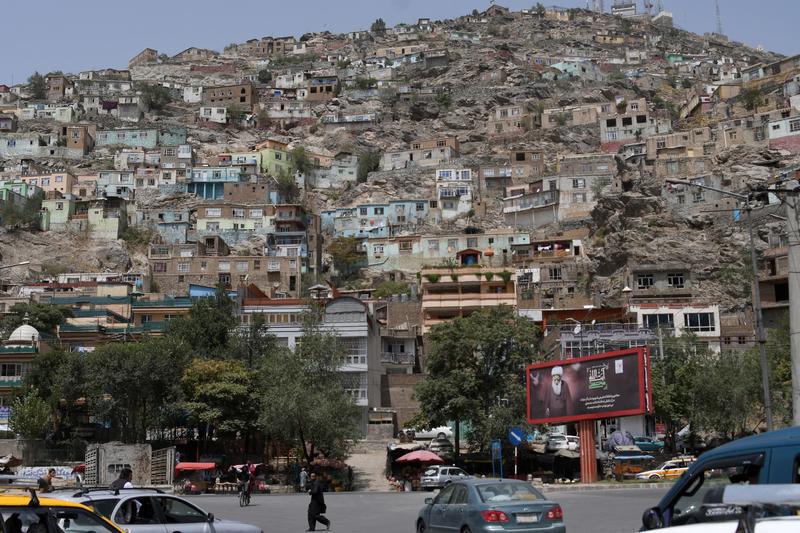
[516,436]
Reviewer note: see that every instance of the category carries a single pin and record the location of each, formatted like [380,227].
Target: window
[555,273]
[225,279]
[420,206]
[661,143]
[242,266]
[579,198]
[611,135]
[213,212]
[356,350]
[406,246]
[433,245]
[10,369]
[362,211]
[212,226]
[472,242]
[676,281]
[660,320]
[159,267]
[59,179]
[579,183]
[794,125]
[644,281]
[183,267]
[378,210]
[238,213]
[698,196]
[377,249]
[137,511]
[699,321]
[224,266]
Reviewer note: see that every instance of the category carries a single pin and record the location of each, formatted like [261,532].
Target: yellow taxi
[669,470]
[21,513]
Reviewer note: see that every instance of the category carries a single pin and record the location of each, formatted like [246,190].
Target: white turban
[557,370]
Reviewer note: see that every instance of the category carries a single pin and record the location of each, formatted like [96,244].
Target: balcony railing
[398,358]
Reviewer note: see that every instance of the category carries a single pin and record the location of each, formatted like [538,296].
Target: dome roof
[25,333]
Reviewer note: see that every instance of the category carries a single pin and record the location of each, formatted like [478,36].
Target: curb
[583,488]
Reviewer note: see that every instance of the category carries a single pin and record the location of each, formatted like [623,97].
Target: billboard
[598,386]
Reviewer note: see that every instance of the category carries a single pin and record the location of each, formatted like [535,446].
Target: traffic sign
[516,436]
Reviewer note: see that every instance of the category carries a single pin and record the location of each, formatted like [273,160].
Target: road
[595,511]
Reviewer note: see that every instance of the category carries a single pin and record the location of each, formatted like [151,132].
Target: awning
[421,456]
[195,466]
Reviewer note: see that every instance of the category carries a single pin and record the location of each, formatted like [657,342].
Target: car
[557,442]
[45,515]
[138,510]
[646,444]
[765,459]
[437,476]
[480,505]
[668,470]
[441,432]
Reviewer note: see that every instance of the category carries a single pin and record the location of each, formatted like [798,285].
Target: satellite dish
[577,330]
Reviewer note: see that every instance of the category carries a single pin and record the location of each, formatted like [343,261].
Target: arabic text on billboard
[599,386]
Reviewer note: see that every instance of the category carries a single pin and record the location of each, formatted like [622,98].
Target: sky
[89,34]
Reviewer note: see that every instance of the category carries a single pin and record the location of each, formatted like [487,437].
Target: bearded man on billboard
[557,398]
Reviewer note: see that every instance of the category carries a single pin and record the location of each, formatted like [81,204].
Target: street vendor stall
[194,478]
[412,465]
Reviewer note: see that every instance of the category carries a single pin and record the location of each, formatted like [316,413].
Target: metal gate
[162,466]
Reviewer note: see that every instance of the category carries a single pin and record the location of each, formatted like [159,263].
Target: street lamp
[762,339]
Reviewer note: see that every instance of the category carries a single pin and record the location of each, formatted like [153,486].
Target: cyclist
[246,479]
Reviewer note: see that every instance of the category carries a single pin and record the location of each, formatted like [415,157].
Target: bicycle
[244,496]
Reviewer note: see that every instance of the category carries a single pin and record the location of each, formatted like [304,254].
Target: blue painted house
[209,182]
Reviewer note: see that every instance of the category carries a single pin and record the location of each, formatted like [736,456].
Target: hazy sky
[84,34]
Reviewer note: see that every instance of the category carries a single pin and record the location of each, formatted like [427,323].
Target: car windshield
[507,492]
[430,472]
[25,519]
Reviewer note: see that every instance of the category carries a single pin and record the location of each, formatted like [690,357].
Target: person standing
[124,481]
[558,398]
[303,480]
[317,507]
[46,482]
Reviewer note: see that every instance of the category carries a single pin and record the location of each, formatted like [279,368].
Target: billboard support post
[588,453]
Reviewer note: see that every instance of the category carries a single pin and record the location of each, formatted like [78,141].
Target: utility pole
[762,338]
[793,234]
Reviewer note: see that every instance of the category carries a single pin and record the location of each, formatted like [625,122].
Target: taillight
[555,513]
[494,516]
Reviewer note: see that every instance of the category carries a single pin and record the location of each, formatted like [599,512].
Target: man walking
[317,507]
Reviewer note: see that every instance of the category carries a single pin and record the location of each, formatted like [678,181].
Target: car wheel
[466,529]
[420,526]
[654,477]
[428,489]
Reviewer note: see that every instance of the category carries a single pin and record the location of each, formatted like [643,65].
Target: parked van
[769,458]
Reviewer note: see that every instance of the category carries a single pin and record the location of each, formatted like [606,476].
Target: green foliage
[622,106]
[389,288]
[561,119]
[379,26]
[303,397]
[362,84]
[221,394]
[686,83]
[30,416]
[443,99]
[27,215]
[137,235]
[300,160]
[505,275]
[347,254]
[475,372]
[489,276]
[369,161]
[155,97]
[264,76]
[235,112]
[45,318]
[752,99]
[432,278]
[454,276]
[288,191]
[37,86]
[342,64]
[206,329]
[540,10]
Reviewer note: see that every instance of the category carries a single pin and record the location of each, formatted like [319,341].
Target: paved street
[610,511]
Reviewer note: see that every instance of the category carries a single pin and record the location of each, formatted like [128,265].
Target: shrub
[505,275]
[432,278]
[454,276]
[489,276]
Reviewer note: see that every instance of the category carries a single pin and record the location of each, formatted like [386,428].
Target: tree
[300,161]
[26,215]
[235,112]
[30,416]
[752,99]
[59,378]
[390,288]
[154,97]
[45,318]
[38,86]
[476,372]
[264,76]
[288,191]
[347,254]
[369,161]
[221,394]
[134,386]
[206,329]
[443,99]
[540,10]
[379,26]
[303,394]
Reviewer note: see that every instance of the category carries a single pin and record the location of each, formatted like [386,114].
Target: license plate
[527,518]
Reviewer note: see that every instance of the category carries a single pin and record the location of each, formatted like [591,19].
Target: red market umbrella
[184,467]
[420,456]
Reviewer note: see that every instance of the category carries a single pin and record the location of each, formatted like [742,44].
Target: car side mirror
[428,501]
[653,519]
[210,517]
